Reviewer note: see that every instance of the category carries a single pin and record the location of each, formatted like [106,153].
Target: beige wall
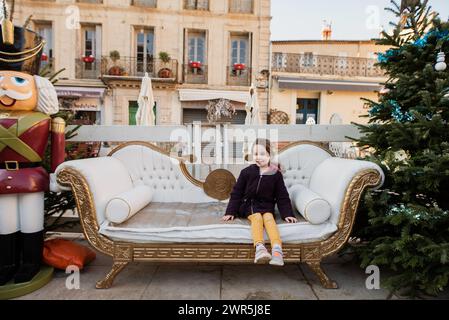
[348,105]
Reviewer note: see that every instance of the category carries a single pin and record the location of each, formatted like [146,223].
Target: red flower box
[88,59]
[239,66]
[195,64]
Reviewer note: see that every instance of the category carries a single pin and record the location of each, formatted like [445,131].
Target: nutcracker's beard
[9,97]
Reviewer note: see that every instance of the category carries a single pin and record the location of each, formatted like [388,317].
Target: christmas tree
[407,227]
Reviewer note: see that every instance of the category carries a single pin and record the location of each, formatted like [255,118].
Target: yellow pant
[258,222]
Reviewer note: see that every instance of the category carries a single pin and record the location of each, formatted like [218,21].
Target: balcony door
[239,50]
[45,30]
[306,109]
[144,51]
[197,47]
[91,45]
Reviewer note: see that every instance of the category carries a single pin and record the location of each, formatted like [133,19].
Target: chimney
[326,34]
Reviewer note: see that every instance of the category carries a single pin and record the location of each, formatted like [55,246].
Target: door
[132,108]
[305,109]
[144,51]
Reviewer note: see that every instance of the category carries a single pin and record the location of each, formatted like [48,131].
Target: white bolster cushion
[124,206]
[311,206]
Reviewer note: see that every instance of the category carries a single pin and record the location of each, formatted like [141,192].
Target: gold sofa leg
[106,283]
[324,279]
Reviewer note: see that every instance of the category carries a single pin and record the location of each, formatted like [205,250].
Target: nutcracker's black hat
[24,53]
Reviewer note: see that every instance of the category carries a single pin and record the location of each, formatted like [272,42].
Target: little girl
[258,188]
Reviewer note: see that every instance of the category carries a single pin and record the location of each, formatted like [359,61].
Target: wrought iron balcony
[238,76]
[134,67]
[325,65]
[195,73]
[47,67]
[86,69]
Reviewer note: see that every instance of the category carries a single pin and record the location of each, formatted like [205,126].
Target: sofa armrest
[333,177]
[105,177]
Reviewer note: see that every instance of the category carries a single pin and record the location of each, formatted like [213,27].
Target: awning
[333,85]
[80,92]
[205,95]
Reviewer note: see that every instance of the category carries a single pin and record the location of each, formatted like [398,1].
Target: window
[342,61]
[90,51]
[196,4]
[89,42]
[241,6]
[280,60]
[90,1]
[239,50]
[145,3]
[197,47]
[144,50]
[308,59]
[305,109]
[45,30]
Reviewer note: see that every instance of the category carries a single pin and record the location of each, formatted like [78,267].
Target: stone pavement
[214,282]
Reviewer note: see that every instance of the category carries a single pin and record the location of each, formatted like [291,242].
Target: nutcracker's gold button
[8,187]
[9,178]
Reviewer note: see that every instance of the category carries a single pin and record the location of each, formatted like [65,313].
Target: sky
[351,19]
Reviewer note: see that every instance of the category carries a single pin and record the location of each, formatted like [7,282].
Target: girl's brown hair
[267,145]
[263,142]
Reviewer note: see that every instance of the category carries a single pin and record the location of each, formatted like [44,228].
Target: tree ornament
[441,64]
[384,91]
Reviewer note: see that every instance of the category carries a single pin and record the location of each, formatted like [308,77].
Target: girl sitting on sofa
[258,188]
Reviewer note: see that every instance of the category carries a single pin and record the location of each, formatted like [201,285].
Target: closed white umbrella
[145,114]
[252,108]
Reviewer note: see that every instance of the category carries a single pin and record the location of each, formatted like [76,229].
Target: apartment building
[323,81]
[194,50]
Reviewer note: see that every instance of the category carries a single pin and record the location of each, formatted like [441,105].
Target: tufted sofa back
[161,173]
[299,162]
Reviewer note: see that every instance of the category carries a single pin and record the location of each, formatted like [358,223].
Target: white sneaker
[277,257]
[262,255]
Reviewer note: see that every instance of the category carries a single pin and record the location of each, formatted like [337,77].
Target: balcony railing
[47,67]
[197,75]
[134,67]
[241,6]
[237,77]
[325,65]
[196,4]
[87,70]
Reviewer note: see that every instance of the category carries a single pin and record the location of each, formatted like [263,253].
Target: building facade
[323,81]
[194,50]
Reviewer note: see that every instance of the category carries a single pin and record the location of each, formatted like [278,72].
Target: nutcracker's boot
[32,248]
[9,256]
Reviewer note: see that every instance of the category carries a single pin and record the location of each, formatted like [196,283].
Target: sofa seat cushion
[201,223]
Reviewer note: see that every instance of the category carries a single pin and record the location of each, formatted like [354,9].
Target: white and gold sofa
[140,204]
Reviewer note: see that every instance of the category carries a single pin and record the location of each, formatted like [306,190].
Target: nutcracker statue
[26,103]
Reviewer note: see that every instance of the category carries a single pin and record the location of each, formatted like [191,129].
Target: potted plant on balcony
[88,59]
[239,66]
[195,64]
[115,70]
[164,72]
